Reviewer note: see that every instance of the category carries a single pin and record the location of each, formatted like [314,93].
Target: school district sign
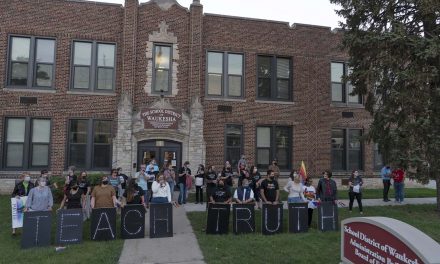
[385,240]
[160,118]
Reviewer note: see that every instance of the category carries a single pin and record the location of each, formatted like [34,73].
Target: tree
[394,48]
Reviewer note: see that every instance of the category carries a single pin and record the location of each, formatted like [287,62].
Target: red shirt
[398,175]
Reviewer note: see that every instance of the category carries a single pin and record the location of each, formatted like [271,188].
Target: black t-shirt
[211,176]
[227,172]
[221,195]
[270,189]
[138,193]
[83,185]
[183,178]
[74,200]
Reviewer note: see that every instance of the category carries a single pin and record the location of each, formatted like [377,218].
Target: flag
[303,172]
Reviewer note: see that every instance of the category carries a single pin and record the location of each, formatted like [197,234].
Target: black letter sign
[298,217]
[328,217]
[69,227]
[133,221]
[218,219]
[36,229]
[243,218]
[161,220]
[272,219]
[103,225]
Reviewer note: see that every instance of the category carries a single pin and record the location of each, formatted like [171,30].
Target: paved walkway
[182,248]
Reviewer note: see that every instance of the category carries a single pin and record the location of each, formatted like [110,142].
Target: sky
[314,12]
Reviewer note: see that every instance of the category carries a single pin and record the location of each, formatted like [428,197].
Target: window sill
[274,102]
[343,105]
[29,90]
[91,93]
[224,99]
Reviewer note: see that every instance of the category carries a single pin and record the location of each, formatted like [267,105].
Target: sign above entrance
[160,118]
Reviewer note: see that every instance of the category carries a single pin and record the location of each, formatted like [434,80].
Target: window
[274,142]
[378,158]
[89,144]
[31,62]
[93,66]
[341,90]
[274,78]
[221,84]
[27,143]
[162,69]
[347,149]
[234,143]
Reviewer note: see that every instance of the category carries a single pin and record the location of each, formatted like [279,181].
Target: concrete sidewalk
[191,207]
[182,248]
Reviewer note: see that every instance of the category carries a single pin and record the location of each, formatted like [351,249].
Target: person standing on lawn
[74,198]
[310,197]
[255,184]
[21,189]
[399,184]
[270,192]
[385,173]
[104,195]
[221,194]
[39,198]
[211,182]
[85,187]
[274,167]
[326,191]
[133,193]
[355,191]
[200,181]
[294,188]
[227,175]
[244,193]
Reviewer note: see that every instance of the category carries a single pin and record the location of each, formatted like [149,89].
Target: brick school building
[99,85]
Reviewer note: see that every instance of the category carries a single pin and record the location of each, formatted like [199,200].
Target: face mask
[246,185]
[27,179]
[105,182]
[271,177]
[356,174]
[42,183]
[75,188]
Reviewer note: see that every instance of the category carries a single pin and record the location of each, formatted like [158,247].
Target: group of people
[397,176]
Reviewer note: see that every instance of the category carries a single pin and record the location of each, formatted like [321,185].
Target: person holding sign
[244,193]
[74,198]
[221,194]
[39,198]
[161,190]
[326,190]
[184,172]
[104,195]
[134,194]
[355,182]
[309,193]
[294,188]
[200,181]
[22,189]
[270,192]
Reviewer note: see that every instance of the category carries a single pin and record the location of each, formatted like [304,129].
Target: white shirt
[294,189]
[251,196]
[159,191]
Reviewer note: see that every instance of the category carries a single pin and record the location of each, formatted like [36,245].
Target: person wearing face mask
[211,182]
[85,187]
[161,190]
[221,194]
[309,194]
[227,175]
[274,167]
[270,192]
[74,198]
[184,172]
[294,188]
[22,189]
[200,181]
[255,183]
[244,193]
[355,182]
[170,176]
[326,190]
[142,179]
[39,198]
[45,174]
[104,195]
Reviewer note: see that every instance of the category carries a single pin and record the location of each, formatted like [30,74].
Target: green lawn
[366,194]
[311,247]
[87,252]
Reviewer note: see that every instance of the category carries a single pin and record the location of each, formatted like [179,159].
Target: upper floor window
[341,91]
[93,66]
[274,78]
[225,74]
[346,152]
[27,143]
[31,62]
[162,69]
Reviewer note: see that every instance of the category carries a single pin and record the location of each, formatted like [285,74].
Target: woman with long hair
[133,193]
[355,182]
[85,187]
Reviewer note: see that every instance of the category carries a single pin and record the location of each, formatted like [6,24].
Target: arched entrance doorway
[161,150]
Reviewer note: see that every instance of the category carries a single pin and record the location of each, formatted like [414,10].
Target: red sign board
[160,118]
[368,243]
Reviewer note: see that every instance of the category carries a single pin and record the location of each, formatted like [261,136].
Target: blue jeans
[294,200]
[171,184]
[159,200]
[182,194]
[398,189]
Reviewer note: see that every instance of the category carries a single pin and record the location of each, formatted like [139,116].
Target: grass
[86,252]
[366,194]
[311,247]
